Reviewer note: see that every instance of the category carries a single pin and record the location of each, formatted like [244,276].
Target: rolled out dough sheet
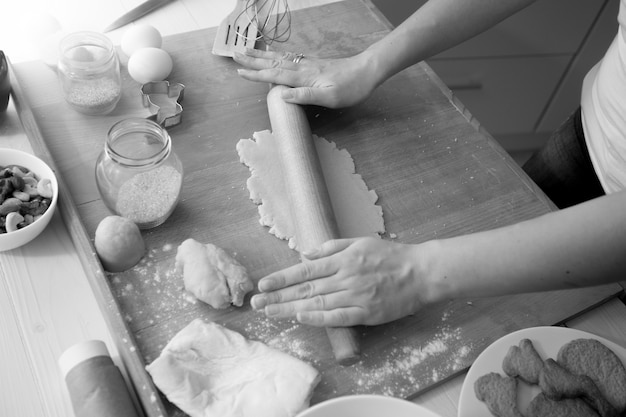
[354,205]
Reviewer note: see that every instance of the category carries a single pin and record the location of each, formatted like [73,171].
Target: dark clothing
[563,168]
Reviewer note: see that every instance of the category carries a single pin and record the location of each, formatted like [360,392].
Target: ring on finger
[298,58]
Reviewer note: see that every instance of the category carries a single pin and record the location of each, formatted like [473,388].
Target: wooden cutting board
[437,173]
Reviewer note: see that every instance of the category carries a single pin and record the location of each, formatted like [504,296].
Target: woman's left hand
[332,83]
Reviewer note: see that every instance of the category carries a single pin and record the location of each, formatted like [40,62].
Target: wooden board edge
[379,15]
[142,384]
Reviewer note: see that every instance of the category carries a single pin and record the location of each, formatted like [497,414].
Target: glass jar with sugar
[89,72]
[138,174]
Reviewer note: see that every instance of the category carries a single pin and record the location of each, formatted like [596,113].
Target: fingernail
[272,310]
[258,302]
[288,94]
[309,253]
[266,285]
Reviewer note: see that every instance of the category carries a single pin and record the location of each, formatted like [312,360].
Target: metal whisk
[272,18]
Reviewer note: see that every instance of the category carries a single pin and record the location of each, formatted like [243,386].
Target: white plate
[367,406]
[546,340]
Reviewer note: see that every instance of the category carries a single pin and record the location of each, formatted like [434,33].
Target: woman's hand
[332,83]
[347,282]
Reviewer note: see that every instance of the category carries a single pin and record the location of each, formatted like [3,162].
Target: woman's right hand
[347,282]
[332,83]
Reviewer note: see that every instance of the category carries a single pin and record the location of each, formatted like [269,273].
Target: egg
[44,32]
[140,36]
[40,25]
[149,65]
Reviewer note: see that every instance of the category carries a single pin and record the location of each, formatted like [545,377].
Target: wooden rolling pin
[310,202]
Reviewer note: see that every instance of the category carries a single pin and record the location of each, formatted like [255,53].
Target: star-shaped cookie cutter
[172,113]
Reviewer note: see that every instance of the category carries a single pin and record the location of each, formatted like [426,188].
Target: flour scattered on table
[154,293]
[151,290]
[275,335]
[408,368]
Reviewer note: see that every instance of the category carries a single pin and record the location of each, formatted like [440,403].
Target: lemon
[119,243]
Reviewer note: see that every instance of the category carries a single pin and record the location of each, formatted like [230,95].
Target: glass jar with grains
[89,71]
[138,174]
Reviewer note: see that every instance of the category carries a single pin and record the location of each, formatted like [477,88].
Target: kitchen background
[522,78]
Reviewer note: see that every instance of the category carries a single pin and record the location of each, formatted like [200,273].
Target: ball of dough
[119,243]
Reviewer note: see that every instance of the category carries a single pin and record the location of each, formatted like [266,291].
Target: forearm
[435,27]
[580,246]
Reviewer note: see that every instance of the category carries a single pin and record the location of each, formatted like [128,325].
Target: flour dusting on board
[408,368]
[285,339]
[152,289]
[405,369]
[153,295]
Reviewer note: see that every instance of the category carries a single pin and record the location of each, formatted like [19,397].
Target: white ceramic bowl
[367,406]
[22,236]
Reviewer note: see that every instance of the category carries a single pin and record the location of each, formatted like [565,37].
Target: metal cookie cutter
[163,99]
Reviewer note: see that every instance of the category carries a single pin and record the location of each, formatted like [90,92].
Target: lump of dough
[118,243]
[211,275]
[208,370]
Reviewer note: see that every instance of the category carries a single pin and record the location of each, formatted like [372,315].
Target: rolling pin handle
[345,344]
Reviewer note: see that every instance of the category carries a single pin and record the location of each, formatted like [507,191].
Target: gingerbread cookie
[499,393]
[542,406]
[523,361]
[557,383]
[592,358]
